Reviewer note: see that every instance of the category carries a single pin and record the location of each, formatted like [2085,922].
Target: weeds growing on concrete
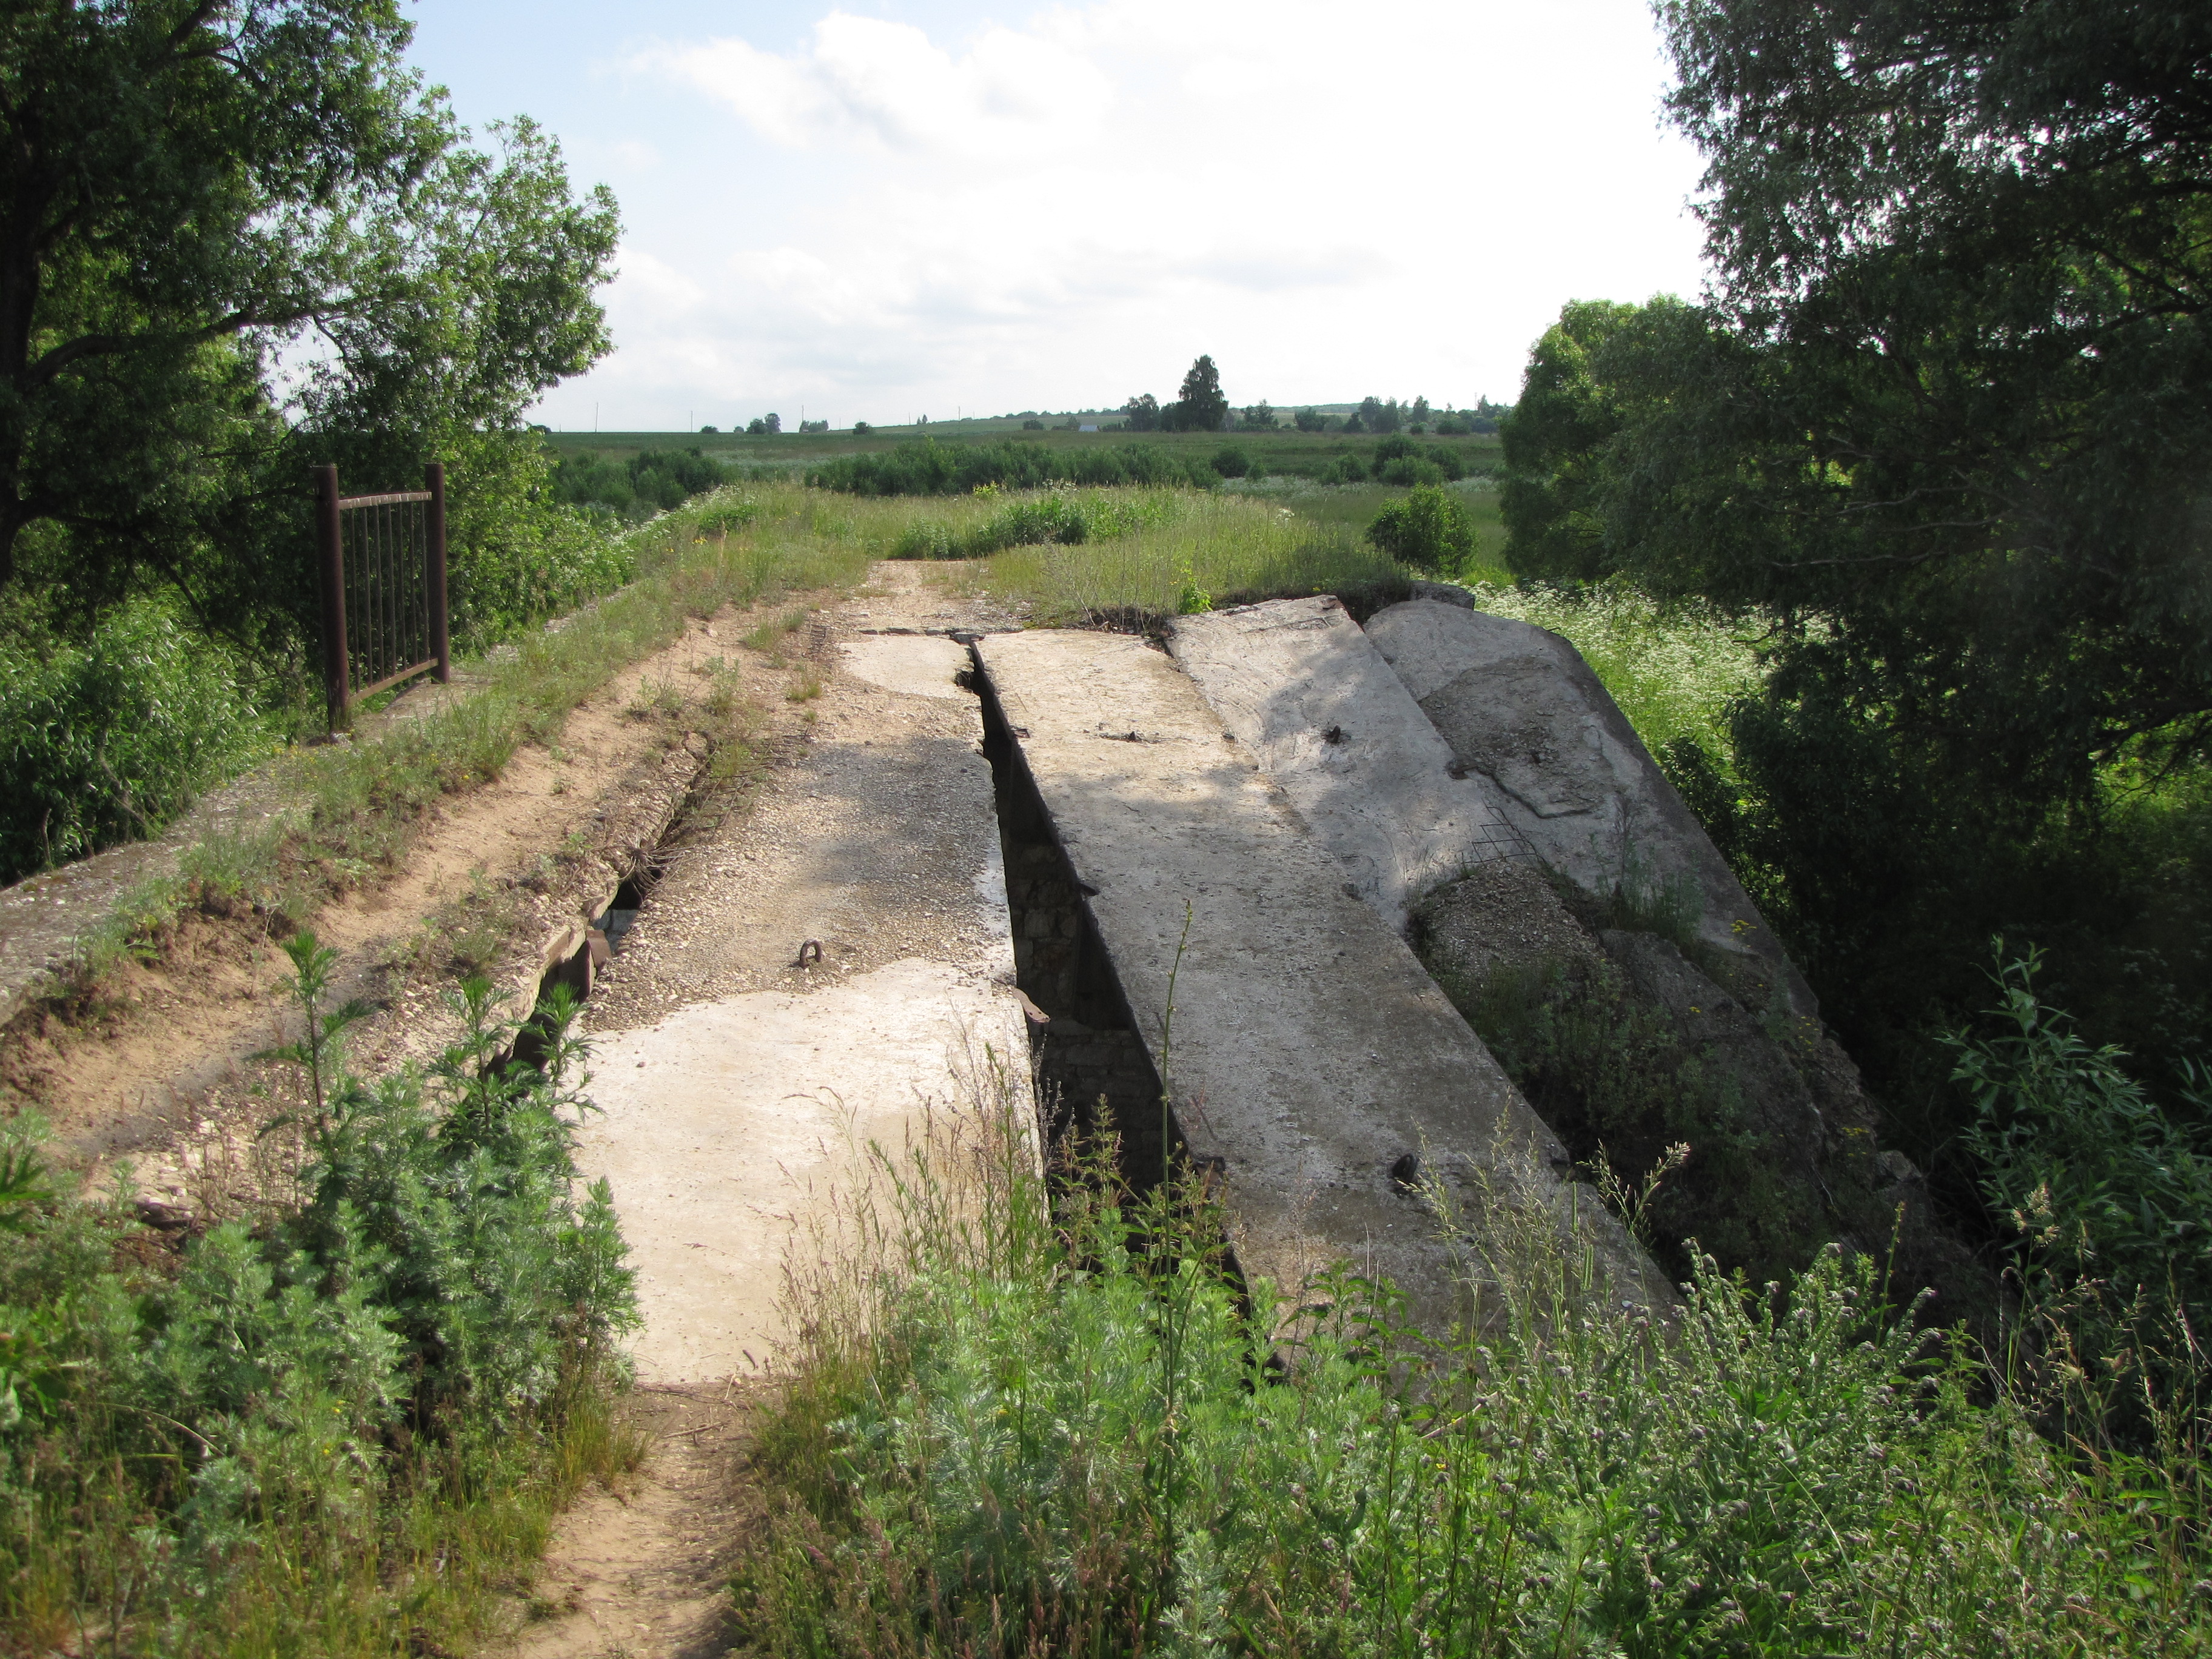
[977,1456]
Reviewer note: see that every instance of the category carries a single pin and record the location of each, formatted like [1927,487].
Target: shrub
[1018,1433]
[1310,420]
[1032,426]
[1230,462]
[861,428]
[1345,470]
[1429,530]
[256,1432]
[2094,1178]
[110,740]
[1410,470]
[928,468]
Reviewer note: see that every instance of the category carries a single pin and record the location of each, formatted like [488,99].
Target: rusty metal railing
[382,566]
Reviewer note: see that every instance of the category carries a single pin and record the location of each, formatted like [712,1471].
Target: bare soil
[168,1059]
[642,1568]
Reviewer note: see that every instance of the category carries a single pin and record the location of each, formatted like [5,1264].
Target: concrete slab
[1519,705]
[1312,1057]
[1307,694]
[807,977]
[921,664]
[729,1129]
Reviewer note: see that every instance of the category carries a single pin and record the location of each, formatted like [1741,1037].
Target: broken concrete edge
[1447,654]
[1272,1081]
[1300,685]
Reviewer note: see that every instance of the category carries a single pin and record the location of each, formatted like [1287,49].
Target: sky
[890,209]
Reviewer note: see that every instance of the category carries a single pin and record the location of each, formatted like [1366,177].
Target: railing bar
[390,680]
[386,657]
[384,500]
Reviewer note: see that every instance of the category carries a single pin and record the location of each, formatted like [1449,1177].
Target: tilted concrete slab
[1519,705]
[1311,1054]
[1309,695]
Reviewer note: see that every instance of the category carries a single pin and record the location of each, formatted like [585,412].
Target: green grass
[1215,548]
[1674,670]
[1017,1432]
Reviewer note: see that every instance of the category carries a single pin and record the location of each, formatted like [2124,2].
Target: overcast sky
[891,208]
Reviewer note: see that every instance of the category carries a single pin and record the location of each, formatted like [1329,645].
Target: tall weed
[1674,670]
[323,1426]
[1079,1433]
[110,740]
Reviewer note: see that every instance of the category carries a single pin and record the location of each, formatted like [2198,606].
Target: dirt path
[164,1076]
[645,1571]
[738,1088]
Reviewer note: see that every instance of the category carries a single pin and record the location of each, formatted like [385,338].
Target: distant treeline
[652,480]
[928,468]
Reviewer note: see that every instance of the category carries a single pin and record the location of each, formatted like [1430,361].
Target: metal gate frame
[387,605]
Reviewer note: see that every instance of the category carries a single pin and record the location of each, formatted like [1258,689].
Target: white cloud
[887,87]
[1332,201]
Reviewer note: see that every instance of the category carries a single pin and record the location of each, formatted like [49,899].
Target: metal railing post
[434,480]
[338,677]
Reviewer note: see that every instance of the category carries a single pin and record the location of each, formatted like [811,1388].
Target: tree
[1258,418]
[1199,405]
[1377,416]
[232,237]
[1420,411]
[1311,420]
[1143,413]
[1946,429]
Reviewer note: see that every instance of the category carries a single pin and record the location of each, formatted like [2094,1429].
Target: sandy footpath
[813,977]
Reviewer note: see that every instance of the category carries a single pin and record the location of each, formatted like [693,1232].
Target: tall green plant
[234,1447]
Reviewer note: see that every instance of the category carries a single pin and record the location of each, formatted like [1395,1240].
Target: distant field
[1284,452]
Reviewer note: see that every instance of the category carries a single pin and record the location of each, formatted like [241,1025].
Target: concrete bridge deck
[1312,1055]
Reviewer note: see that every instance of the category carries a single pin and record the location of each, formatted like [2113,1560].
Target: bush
[110,740]
[1430,530]
[1032,426]
[1018,1433]
[1310,420]
[1230,462]
[1047,519]
[2091,1177]
[928,468]
[256,1432]
[1410,470]
[1345,470]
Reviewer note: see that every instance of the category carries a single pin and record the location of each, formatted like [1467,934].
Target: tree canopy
[1946,422]
[1200,405]
[231,233]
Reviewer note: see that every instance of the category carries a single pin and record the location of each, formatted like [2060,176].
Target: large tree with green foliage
[1200,405]
[1946,421]
[237,235]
